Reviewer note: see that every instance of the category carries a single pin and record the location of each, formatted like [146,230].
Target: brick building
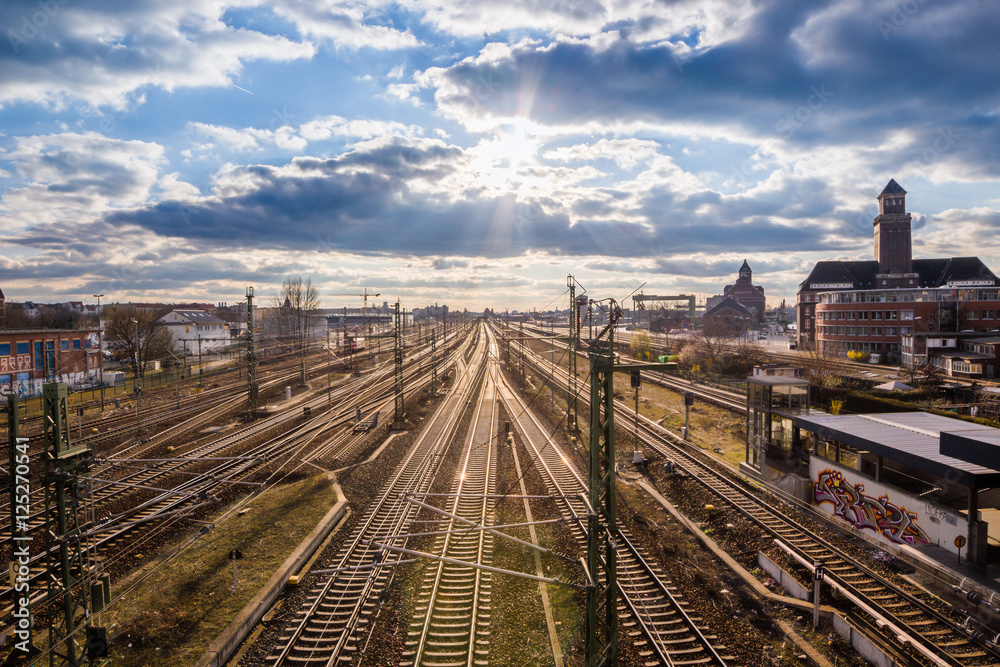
[30,357]
[874,306]
[744,292]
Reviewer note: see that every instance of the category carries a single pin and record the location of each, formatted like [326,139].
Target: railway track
[112,535]
[331,628]
[939,630]
[903,615]
[452,624]
[653,615]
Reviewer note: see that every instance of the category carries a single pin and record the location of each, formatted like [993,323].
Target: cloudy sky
[476,153]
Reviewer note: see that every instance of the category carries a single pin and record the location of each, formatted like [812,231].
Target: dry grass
[172,616]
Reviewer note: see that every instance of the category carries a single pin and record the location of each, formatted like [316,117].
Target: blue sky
[477,153]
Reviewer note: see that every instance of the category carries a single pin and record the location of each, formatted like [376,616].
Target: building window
[76,344]
[5,350]
[876,314]
[972,314]
[24,348]
[988,314]
[862,331]
[840,331]
[852,315]
[890,331]
[891,314]
[876,331]
[64,345]
[906,314]
[863,315]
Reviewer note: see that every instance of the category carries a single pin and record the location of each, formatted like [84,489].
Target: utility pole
[398,358]
[601,645]
[602,521]
[252,387]
[636,380]
[201,368]
[520,353]
[100,346]
[66,569]
[434,368]
[574,335]
[138,385]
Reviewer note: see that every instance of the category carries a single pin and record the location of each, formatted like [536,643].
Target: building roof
[892,188]
[745,267]
[931,273]
[68,333]
[727,302]
[190,317]
[916,439]
[2,298]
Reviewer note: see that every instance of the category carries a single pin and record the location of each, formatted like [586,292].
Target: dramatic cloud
[478,152]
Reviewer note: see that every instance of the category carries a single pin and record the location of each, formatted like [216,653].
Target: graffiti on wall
[864,512]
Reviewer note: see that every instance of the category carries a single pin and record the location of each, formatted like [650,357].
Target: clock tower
[893,250]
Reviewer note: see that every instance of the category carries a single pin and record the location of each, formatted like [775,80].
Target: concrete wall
[884,511]
[869,651]
[787,581]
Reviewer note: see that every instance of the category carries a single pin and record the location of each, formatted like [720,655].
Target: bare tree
[136,335]
[297,310]
[714,336]
[749,353]
[820,369]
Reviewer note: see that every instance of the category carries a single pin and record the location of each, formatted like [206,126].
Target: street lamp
[100,346]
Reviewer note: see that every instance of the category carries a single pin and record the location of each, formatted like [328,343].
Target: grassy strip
[175,613]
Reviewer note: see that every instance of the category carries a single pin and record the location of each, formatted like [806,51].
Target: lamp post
[100,346]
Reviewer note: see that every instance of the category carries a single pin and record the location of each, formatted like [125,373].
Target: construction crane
[364,310]
[366,294]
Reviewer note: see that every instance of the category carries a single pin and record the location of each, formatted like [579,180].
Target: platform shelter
[910,478]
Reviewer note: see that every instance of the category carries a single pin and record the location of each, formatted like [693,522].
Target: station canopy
[954,450]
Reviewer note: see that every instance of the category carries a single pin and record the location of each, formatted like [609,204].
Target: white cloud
[77,177]
[251,140]
[343,24]
[103,55]
[626,153]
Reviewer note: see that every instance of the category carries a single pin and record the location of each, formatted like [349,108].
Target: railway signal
[819,574]
[688,402]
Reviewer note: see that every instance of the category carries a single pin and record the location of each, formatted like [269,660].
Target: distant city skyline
[475,154]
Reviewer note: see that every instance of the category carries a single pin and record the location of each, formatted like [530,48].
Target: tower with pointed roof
[893,248]
[746,293]
[906,310]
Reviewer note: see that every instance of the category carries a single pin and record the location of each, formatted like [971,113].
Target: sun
[512,150]
[501,158]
